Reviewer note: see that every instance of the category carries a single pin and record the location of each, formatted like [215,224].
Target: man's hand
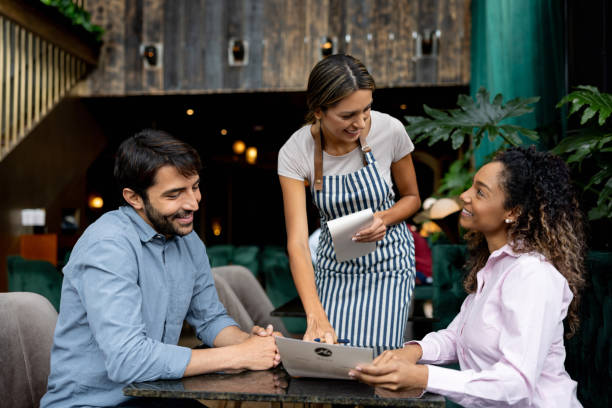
[259,353]
[320,328]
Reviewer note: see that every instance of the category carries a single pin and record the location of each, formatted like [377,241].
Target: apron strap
[318,156]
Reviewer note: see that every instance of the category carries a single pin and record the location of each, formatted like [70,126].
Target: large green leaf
[478,118]
[594,101]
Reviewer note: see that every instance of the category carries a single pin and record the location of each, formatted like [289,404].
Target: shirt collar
[505,250]
[145,231]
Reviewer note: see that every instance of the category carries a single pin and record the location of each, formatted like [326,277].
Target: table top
[277,386]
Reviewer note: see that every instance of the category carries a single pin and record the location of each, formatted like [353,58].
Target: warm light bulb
[190,112]
[216,228]
[251,155]
[239,147]
[224,132]
[403,106]
[96,202]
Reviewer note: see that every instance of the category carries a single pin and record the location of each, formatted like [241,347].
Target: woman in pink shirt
[525,272]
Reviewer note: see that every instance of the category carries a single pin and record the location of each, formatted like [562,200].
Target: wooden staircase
[42,56]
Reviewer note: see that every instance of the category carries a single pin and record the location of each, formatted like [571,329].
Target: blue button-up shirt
[125,295]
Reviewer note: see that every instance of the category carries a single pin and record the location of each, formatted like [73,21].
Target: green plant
[472,121]
[589,150]
[78,16]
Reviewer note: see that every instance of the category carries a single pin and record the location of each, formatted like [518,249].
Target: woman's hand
[375,232]
[319,328]
[268,331]
[392,373]
[410,353]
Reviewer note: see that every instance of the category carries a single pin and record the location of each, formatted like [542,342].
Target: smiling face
[344,122]
[170,202]
[484,210]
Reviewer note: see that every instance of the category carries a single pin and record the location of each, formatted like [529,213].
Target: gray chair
[27,323]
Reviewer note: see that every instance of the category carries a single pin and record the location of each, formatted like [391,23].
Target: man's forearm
[229,336]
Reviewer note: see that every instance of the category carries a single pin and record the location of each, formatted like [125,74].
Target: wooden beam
[51,25]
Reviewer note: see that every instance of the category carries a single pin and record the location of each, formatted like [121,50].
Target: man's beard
[163,223]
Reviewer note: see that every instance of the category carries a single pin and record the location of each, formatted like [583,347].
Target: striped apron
[366,299]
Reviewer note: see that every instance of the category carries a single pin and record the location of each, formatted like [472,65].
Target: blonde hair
[333,79]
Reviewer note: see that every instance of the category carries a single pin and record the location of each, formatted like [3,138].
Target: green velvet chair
[589,352]
[279,283]
[246,255]
[448,273]
[40,277]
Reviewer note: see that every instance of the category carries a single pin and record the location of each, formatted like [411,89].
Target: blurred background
[229,78]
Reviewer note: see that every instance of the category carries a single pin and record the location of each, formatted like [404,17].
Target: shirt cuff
[446,381]
[177,359]
[214,328]
[429,352]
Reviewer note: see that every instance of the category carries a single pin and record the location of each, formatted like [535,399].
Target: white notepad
[320,360]
[342,230]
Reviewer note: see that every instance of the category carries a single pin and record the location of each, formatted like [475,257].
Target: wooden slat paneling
[213,53]
[382,42]
[30,83]
[284,38]
[3,89]
[293,71]
[401,66]
[274,11]
[22,82]
[449,59]
[133,39]
[316,27]
[192,48]
[233,15]
[426,67]
[153,33]
[16,60]
[253,32]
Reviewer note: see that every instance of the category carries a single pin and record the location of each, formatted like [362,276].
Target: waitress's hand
[375,232]
[319,328]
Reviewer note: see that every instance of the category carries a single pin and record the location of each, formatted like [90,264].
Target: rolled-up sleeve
[108,285]
[206,312]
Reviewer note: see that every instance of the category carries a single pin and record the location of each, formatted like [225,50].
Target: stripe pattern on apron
[366,299]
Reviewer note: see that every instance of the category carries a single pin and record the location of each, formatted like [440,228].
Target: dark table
[276,386]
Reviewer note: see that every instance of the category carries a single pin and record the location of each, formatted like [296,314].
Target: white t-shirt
[387,138]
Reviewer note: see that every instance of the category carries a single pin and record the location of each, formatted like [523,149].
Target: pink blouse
[508,338]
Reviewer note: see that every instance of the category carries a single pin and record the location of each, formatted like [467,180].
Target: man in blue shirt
[133,277]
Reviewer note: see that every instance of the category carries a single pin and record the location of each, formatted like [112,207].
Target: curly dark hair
[550,220]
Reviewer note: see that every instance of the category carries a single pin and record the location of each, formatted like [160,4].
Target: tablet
[320,360]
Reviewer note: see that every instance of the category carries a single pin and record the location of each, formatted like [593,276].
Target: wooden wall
[284,38]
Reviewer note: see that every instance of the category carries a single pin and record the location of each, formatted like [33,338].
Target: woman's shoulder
[300,140]
[384,119]
[534,268]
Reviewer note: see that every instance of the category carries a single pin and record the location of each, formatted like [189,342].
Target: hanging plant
[78,15]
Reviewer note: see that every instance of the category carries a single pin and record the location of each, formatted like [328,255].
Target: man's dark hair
[140,156]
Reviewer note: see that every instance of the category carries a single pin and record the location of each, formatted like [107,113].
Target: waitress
[350,156]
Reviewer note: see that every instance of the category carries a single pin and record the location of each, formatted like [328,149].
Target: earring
[508,221]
